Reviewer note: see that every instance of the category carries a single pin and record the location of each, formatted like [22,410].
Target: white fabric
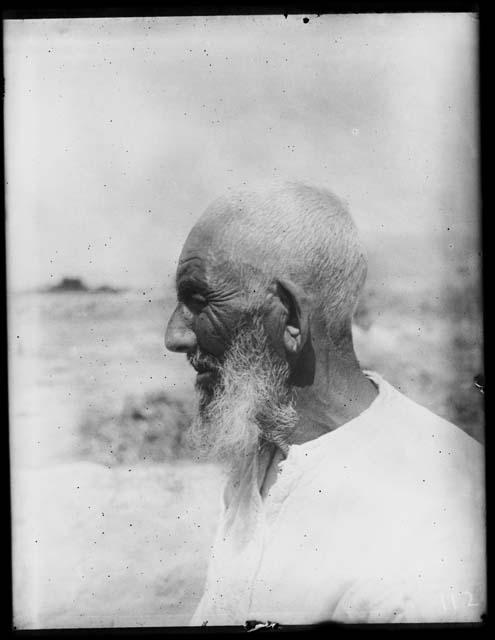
[379,520]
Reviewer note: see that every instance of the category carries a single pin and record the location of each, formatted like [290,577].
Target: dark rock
[69,284]
[77,285]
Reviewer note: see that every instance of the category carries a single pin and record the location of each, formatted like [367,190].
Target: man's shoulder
[415,444]
[415,422]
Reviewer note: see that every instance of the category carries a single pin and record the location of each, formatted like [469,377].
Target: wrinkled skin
[208,311]
[211,308]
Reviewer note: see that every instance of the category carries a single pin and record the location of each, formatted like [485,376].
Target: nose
[178,336]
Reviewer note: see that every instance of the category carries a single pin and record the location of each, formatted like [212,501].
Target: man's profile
[345,500]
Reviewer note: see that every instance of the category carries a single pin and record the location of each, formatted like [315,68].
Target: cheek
[214,329]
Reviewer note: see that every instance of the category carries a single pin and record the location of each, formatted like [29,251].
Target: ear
[296,318]
[287,320]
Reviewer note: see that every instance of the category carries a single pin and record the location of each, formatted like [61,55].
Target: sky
[120,131]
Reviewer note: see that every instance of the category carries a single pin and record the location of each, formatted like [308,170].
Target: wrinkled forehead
[198,243]
[202,257]
[209,258]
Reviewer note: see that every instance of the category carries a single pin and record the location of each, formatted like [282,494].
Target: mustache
[203,362]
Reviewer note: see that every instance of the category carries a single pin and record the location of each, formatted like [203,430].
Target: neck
[340,392]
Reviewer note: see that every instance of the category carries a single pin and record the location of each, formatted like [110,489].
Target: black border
[27,10]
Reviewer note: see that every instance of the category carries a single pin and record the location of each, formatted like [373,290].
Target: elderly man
[345,500]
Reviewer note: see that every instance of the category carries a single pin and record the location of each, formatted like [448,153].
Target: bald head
[286,231]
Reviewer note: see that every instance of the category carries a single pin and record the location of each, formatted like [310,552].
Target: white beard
[251,403]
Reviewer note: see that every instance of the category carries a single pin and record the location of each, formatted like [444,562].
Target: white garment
[379,520]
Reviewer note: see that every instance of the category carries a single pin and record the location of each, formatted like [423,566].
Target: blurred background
[118,133]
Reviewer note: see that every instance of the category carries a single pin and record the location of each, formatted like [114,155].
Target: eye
[195,301]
